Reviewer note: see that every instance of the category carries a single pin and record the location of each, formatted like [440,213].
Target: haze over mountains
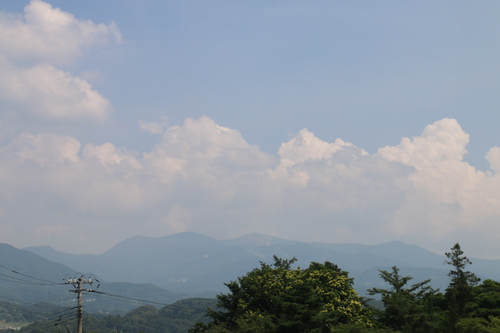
[28,278]
[191,264]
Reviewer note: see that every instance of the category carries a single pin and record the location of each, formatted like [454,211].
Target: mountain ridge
[28,277]
[196,265]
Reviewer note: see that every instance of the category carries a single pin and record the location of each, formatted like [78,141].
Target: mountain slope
[196,265]
[29,278]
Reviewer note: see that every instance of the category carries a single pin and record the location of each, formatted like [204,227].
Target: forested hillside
[321,298]
[281,297]
[26,278]
[176,318]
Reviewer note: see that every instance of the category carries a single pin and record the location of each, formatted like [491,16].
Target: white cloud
[305,146]
[442,141]
[202,148]
[204,177]
[46,149]
[31,86]
[49,93]
[109,155]
[493,157]
[47,34]
[306,154]
[451,200]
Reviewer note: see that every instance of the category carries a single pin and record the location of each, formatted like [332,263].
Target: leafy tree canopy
[407,308]
[459,292]
[277,298]
[460,278]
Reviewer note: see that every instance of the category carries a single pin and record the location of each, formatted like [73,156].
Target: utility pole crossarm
[78,284]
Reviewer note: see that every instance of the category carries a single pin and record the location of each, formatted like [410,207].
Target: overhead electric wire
[96,293]
[124,298]
[113,298]
[129,298]
[29,276]
[21,281]
[52,318]
[66,327]
[54,322]
[135,300]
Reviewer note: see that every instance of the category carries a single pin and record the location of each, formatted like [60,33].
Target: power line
[56,322]
[22,281]
[78,284]
[79,290]
[74,281]
[129,298]
[29,276]
[53,318]
[135,300]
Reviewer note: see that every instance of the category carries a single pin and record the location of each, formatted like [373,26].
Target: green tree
[459,291]
[483,309]
[479,325]
[485,300]
[460,278]
[277,298]
[409,309]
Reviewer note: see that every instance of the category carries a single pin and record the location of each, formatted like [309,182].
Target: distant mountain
[29,278]
[254,239]
[411,255]
[196,265]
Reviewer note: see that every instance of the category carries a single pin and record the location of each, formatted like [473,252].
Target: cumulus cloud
[31,46]
[305,146]
[307,152]
[47,34]
[49,93]
[203,143]
[444,185]
[109,155]
[442,141]
[493,157]
[203,177]
[44,149]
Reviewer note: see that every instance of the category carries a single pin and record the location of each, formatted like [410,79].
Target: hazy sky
[334,121]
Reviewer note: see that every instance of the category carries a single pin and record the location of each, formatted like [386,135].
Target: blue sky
[95,96]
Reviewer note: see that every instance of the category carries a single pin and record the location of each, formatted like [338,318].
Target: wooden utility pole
[78,284]
[79,290]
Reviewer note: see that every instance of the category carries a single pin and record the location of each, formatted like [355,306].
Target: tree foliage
[479,325]
[485,300]
[320,298]
[175,318]
[277,298]
[460,278]
[409,309]
[460,288]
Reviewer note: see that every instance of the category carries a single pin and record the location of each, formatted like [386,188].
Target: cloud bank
[32,46]
[204,177]
[200,176]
